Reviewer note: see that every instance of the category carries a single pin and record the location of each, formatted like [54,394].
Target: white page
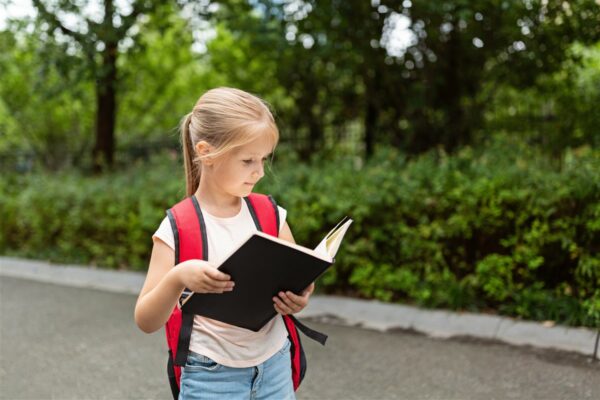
[330,245]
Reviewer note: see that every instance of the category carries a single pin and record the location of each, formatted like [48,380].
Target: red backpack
[189,232]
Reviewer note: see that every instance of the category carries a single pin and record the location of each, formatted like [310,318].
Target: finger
[309,290]
[279,310]
[204,288]
[296,304]
[293,300]
[213,286]
[284,310]
[217,275]
[221,284]
[282,306]
[209,279]
[221,289]
[216,291]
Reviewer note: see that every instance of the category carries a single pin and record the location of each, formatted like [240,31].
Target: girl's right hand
[201,277]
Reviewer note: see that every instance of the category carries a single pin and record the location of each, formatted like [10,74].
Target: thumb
[309,289]
[217,275]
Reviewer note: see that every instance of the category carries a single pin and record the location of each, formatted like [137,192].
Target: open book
[262,266]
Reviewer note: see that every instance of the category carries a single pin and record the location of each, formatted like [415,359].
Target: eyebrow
[257,154]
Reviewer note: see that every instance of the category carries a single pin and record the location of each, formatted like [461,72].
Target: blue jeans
[202,378]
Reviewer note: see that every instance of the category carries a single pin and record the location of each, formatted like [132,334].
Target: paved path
[59,342]
[369,314]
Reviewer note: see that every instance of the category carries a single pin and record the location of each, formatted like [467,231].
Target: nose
[260,172]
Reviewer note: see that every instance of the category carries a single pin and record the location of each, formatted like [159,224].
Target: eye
[247,162]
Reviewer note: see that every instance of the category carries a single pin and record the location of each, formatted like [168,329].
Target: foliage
[330,69]
[48,99]
[506,229]
[507,222]
[502,228]
[160,79]
[37,116]
[105,220]
[336,63]
[559,111]
[96,42]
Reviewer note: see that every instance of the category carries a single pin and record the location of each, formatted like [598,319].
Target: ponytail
[192,168]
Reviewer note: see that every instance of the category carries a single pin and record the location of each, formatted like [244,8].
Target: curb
[72,275]
[386,317]
[370,314]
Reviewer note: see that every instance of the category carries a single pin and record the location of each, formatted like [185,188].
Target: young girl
[226,139]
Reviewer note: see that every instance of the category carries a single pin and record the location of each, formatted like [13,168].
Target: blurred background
[461,136]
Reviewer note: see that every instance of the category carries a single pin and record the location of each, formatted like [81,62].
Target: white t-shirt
[226,344]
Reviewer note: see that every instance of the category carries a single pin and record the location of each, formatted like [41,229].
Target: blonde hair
[225,118]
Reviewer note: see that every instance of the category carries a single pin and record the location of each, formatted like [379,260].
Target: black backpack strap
[272,200]
[172,378]
[311,333]
[185,334]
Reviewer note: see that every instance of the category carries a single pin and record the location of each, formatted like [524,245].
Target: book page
[331,243]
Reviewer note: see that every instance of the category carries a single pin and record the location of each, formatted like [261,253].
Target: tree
[318,52]
[463,44]
[159,81]
[333,61]
[44,106]
[98,40]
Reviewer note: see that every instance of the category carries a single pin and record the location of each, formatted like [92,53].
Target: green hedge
[105,221]
[501,228]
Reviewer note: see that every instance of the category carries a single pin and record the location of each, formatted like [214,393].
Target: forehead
[260,146]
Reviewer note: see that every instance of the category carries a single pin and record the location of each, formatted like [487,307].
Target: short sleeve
[282,216]
[165,233]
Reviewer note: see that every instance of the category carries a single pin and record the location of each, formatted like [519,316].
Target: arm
[165,282]
[288,302]
[161,289]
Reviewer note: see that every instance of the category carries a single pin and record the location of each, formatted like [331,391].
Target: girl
[226,139]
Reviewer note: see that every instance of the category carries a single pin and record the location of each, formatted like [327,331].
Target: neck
[215,201]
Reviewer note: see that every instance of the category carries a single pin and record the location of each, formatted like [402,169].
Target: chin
[245,191]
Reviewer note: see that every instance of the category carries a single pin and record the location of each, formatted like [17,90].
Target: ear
[203,148]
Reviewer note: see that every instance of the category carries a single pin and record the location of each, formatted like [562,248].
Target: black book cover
[260,268]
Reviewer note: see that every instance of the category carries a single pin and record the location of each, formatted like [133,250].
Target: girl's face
[239,170]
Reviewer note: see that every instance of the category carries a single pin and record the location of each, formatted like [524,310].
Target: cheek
[238,173]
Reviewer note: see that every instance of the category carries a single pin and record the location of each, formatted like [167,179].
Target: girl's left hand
[290,303]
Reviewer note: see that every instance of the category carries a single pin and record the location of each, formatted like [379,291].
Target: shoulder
[282,211]
[165,233]
[282,216]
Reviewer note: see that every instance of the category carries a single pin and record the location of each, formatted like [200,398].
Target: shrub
[502,227]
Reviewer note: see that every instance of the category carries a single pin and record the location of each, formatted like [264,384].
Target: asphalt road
[59,342]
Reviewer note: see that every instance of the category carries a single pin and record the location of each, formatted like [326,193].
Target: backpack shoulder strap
[264,213]
[189,231]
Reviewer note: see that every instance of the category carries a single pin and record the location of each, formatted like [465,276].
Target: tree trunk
[106,88]
[370,127]
[456,132]
[371,111]
[315,132]
[312,120]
